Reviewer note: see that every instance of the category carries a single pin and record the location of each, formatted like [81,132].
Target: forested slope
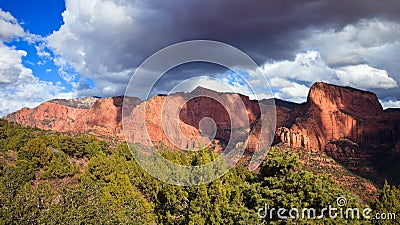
[49,178]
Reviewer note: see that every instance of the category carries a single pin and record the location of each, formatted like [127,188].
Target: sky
[66,49]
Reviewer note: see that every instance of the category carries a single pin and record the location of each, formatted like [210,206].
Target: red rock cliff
[333,112]
[330,113]
[95,116]
[176,120]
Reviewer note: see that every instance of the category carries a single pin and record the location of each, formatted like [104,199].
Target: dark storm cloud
[107,40]
[265,29]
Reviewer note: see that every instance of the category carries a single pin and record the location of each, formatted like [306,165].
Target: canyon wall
[333,112]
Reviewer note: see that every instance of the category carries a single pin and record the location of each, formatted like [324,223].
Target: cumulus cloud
[19,87]
[95,40]
[9,26]
[291,79]
[390,104]
[365,52]
[288,90]
[354,43]
[365,77]
[306,66]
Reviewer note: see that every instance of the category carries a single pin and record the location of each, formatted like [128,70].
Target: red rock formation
[333,112]
[176,120]
[96,116]
[393,115]
[330,113]
[294,140]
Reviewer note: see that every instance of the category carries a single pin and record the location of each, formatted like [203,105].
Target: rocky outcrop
[350,126]
[292,139]
[95,116]
[333,112]
[84,103]
[393,115]
[184,120]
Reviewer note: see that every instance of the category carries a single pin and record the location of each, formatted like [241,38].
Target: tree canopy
[49,178]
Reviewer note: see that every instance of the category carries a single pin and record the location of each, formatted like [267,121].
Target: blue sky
[74,48]
[38,17]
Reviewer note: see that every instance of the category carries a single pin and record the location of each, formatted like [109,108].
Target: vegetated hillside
[48,178]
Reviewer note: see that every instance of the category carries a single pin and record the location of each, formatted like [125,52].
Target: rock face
[293,139]
[95,116]
[331,113]
[183,120]
[393,115]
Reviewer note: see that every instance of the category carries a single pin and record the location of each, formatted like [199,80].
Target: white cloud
[95,41]
[353,43]
[18,85]
[294,93]
[11,68]
[291,79]
[364,76]
[41,50]
[64,70]
[310,67]
[307,66]
[289,90]
[9,27]
[390,104]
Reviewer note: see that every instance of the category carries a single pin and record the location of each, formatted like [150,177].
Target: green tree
[125,203]
[59,166]
[28,204]
[284,184]
[14,176]
[388,202]
[36,150]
